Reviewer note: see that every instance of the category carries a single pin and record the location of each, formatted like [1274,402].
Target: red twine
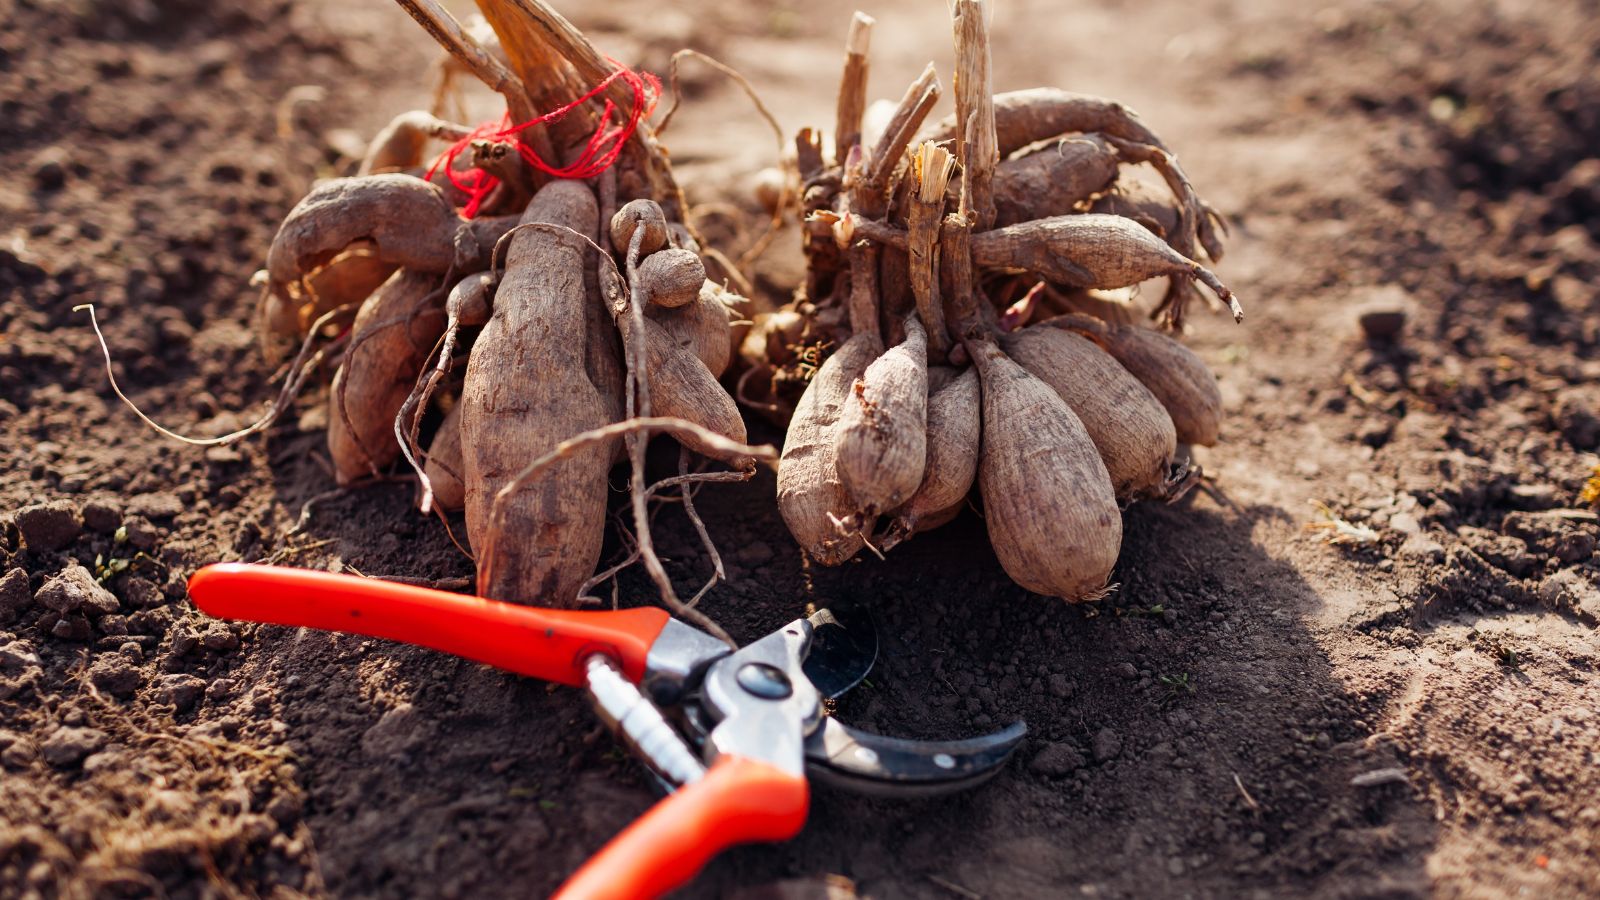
[604,146]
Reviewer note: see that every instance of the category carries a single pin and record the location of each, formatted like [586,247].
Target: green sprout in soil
[107,569]
[1177,686]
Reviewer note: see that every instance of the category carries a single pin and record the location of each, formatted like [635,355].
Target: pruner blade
[869,763]
[844,646]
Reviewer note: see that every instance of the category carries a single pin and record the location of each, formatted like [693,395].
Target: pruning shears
[732,734]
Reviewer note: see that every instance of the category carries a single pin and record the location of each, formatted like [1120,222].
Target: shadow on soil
[1186,736]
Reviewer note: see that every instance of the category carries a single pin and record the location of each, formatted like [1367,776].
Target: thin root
[302,367]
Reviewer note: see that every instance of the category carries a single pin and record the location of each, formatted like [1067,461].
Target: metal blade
[844,645]
[870,763]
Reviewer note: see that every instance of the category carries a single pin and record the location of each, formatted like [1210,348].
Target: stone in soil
[180,691]
[14,594]
[17,655]
[1577,414]
[1057,760]
[49,526]
[68,746]
[76,589]
[141,593]
[1422,547]
[1107,745]
[1382,315]
[1568,589]
[141,534]
[396,733]
[115,675]
[102,516]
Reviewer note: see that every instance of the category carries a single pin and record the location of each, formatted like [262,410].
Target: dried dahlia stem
[932,171]
[908,117]
[479,61]
[864,288]
[979,145]
[852,103]
[870,195]
[956,257]
[560,65]
[483,65]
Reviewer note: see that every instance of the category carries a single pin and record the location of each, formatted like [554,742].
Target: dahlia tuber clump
[523,313]
[907,365]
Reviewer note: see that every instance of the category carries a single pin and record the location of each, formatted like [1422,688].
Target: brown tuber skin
[1053,179]
[881,438]
[1047,500]
[672,278]
[388,348]
[401,143]
[471,300]
[682,386]
[1023,117]
[631,216]
[1178,378]
[400,220]
[1135,201]
[1130,428]
[810,495]
[526,390]
[1088,251]
[952,458]
[701,327]
[444,465]
[350,278]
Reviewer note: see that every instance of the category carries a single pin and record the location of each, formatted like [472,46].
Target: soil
[1258,711]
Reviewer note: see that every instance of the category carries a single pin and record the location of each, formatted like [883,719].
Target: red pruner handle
[544,643]
[739,801]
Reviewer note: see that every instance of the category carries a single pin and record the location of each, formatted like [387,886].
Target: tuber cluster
[949,337]
[528,336]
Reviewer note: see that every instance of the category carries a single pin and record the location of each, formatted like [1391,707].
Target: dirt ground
[1256,712]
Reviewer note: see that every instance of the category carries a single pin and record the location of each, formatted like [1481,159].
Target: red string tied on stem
[601,151]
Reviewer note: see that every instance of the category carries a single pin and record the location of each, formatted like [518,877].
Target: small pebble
[102,516]
[1061,686]
[115,675]
[49,169]
[181,691]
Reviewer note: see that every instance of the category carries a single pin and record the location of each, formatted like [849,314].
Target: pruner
[732,734]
